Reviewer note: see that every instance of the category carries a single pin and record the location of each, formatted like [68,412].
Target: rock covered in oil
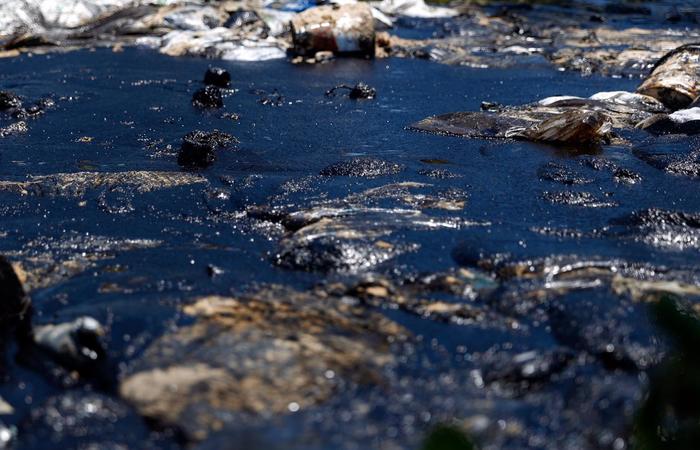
[470,124]
[76,344]
[78,183]
[684,121]
[574,127]
[675,79]
[362,167]
[208,97]
[198,147]
[216,76]
[273,351]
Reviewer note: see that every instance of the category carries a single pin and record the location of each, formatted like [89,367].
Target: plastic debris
[346,29]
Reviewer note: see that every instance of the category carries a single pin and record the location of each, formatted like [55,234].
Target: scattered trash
[537,315]
[341,29]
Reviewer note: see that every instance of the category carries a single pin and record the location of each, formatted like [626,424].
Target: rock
[438,174]
[9,101]
[560,120]
[573,198]
[198,147]
[262,354]
[470,124]
[78,183]
[341,29]
[622,175]
[684,121]
[523,372]
[216,76]
[561,174]
[361,91]
[674,230]
[629,99]
[675,79]
[577,127]
[659,124]
[367,167]
[485,254]
[14,129]
[331,253]
[15,306]
[619,336]
[46,261]
[207,98]
[274,98]
[87,420]
[217,200]
[76,345]
[664,154]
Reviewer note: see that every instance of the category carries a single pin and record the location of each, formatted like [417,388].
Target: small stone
[198,147]
[438,174]
[216,76]
[362,167]
[622,175]
[208,97]
[14,129]
[214,271]
[362,91]
[561,174]
[8,100]
[76,344]
[686,121]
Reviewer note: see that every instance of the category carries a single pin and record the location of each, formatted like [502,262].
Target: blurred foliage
[669,419]
[444,437]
